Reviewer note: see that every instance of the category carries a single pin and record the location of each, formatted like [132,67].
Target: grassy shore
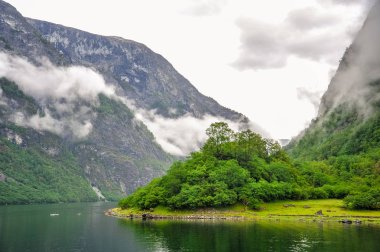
[306,210]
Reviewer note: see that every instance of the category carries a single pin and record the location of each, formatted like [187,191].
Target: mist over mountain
[337,156]
[359,69]
[348,120]
[112,108]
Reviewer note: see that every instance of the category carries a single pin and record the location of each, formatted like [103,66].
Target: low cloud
[310,18]
[66,94]
[360,68]
[347,2]
[201,8]
[311,33]
[314,97]
[48,81]
[77,126]
[183,135]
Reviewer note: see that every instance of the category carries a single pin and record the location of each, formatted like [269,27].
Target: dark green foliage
[145,197]
[267,192]
[32,175]
[341,132]
[347,145]
[12,91]
[338,191]
[364,200]
[109,106]
[245,168]
[318,193]
[231,168]
[365,137]
[35,177]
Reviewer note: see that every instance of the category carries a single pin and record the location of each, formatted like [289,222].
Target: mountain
[348,121]
[74,108]
[18,37]
[144,76]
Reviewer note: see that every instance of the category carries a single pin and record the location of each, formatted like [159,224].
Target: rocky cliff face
[19,37]
[117,152]
[142,75]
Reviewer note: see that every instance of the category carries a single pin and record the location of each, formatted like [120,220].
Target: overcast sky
[270,60]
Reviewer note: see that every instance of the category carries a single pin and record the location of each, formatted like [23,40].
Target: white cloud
[67,94]
[361,66]
[346,2]
[310,18]
[49,81]
[311,33]
[180,136]
[183,135]
[56,126]
[202,49]
[314,97]
[200,8]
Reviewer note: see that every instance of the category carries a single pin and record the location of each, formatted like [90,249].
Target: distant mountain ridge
[119,153]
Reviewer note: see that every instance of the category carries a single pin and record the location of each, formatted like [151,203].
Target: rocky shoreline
[357,220]
[149,216]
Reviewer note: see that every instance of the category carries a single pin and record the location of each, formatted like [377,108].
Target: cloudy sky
[270,60]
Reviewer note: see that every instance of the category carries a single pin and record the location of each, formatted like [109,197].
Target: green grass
[329,207]
[332,210]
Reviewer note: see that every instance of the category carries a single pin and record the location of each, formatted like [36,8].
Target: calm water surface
[83,227]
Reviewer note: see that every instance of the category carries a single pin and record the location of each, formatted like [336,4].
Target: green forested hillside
[344,131]
[348,145]
[36,167]
[345,137]
[245,168]
[39,166]
[31,176]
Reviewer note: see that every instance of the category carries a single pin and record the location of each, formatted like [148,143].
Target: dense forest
[30,171]
[242,167]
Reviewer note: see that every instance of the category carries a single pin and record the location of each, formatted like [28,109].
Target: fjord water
[84,227]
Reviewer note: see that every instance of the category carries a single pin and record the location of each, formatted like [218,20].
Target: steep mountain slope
[18,37]
[35,166]
[56,109]
[115,161]
[348,121]
[144,76]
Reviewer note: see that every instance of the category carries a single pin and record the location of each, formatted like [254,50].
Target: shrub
[318,193]
[363,200]
[254,203]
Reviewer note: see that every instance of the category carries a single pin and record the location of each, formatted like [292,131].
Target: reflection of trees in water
[263,236]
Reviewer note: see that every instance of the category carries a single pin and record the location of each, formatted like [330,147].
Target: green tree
[249,144]
[219,134]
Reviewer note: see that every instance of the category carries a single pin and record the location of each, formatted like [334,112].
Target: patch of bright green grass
[332,209]
[329,207]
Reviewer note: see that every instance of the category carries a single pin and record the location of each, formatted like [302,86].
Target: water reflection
[78,227]
[252,236]
[32,229]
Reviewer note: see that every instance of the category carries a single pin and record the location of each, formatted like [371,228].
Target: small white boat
[54,214]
